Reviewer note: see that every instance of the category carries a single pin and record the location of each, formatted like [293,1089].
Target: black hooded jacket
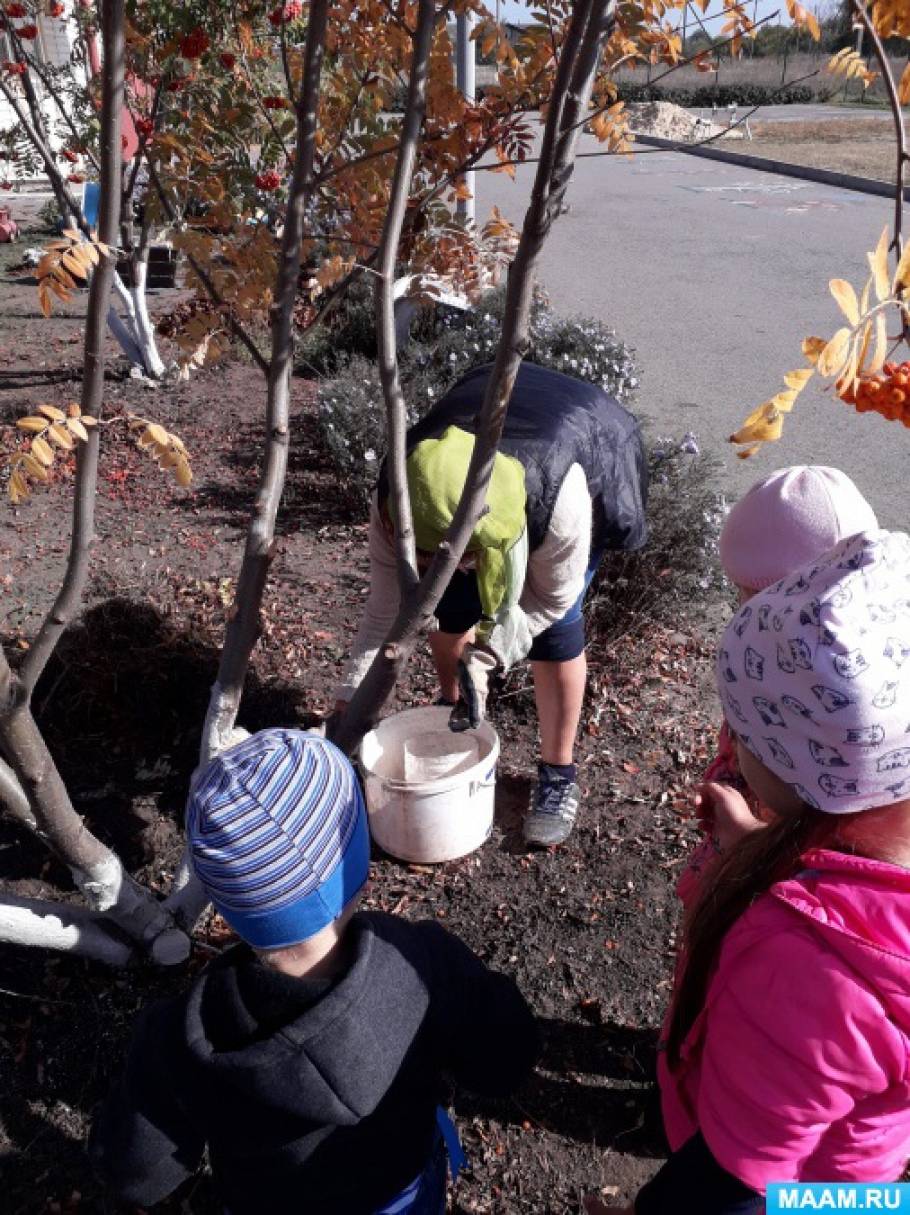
[311,1096]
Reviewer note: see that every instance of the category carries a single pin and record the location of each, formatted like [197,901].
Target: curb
[827,177]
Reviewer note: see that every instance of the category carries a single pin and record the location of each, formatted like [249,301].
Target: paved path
[714,273]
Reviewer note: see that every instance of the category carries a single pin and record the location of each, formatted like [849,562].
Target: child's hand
[725,814]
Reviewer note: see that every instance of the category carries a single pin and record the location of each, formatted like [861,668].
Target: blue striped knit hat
[278,836]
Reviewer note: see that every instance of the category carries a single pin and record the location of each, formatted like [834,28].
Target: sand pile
[669,121]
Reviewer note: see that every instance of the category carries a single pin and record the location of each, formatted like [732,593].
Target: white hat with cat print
[814,675]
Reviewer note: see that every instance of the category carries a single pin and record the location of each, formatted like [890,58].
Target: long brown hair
[752,866]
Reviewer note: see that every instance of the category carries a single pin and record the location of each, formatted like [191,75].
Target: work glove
[475,667]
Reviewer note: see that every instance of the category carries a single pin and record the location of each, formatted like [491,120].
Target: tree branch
[85,489]
[897,242]
[571,93]
[243,627]
[396,410]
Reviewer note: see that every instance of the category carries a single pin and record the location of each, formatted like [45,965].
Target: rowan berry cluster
[887,393]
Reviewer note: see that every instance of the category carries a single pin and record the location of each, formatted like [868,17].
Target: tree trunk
[243,628]
[96,870]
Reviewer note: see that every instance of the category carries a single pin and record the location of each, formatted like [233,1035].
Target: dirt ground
[863,146]
[587,931]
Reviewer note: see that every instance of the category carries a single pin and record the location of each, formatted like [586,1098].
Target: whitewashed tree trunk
[45,925]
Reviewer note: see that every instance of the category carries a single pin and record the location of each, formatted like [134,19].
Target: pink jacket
[798,1068]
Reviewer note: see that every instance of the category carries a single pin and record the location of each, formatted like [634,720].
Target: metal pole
[464,79]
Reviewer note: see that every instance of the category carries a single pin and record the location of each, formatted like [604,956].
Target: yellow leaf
[52,412]
[881,344]
[846,300]
[33,424]
[74,263]
[62,437]
[44,299]
[157,434]
[183,472]
[73,410]
[748,451]
[88,420]
[34,467]
[903,270]
[863,350]
[812,348]
[18,487]
[765,430]
[78,429]
[903,89]
[73,235]
[797,380]
[42,450]
[834,354]
[878,261]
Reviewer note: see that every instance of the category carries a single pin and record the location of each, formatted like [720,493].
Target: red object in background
[275,103]
[9,229]
[56,10]
[194,44]
[16,10]
[76,178]
[285,13]
[14,69]
[144,127]
[227,60]
[70,156]
[27,32]
[268,180]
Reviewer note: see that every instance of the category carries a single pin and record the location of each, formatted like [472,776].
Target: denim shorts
[459,610]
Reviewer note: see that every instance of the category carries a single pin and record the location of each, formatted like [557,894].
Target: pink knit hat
[788,520]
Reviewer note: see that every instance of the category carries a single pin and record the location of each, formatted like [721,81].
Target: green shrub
[743,95]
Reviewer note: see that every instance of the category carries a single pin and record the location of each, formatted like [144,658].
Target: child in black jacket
[309,1060]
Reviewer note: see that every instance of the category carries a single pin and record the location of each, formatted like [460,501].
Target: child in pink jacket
[784,521]
[788,1053]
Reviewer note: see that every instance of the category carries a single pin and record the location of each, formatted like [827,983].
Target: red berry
[16,10]
[268,180]
[194,44]
[275,103]
[76,178]
[14,69]
[227,60]
[27,32]
[56,10]
[144,127]
[70,156]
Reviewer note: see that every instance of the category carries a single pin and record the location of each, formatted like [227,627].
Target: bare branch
[13,796]
[396,410]
[897,242]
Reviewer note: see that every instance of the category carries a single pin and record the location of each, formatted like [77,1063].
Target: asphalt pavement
[714,273]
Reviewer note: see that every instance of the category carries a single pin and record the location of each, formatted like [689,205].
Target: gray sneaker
[551,817]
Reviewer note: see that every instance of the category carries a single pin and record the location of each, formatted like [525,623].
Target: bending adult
[568,484]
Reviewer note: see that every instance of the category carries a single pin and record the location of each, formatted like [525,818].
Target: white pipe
[465,63]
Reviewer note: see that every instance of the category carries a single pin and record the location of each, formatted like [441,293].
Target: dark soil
[587,931]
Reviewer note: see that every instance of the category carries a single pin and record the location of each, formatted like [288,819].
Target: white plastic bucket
[449,812]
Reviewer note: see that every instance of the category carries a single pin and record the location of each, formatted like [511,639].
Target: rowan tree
[282,170]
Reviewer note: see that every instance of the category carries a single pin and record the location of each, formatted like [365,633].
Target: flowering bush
[350,408]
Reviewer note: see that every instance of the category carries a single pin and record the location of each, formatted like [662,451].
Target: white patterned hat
[814,675]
